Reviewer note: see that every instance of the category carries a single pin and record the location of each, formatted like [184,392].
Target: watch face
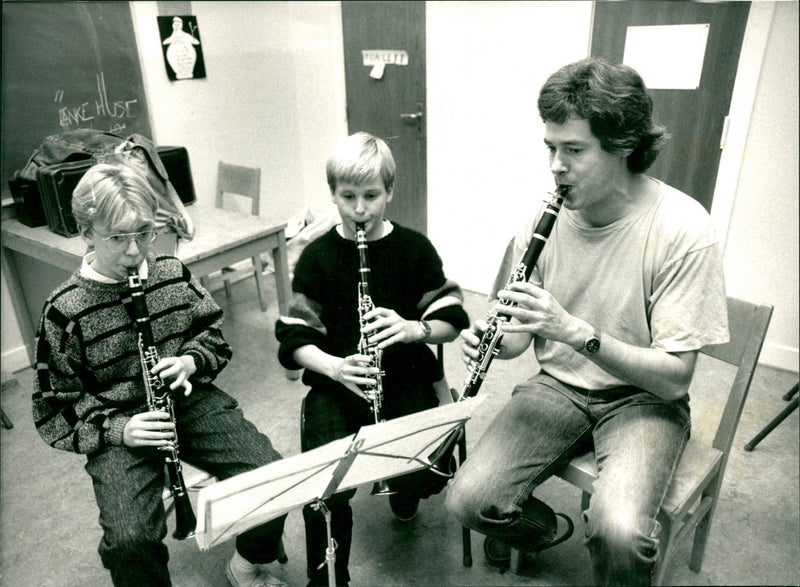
[593,345]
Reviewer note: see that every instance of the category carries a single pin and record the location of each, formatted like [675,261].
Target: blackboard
[68,65]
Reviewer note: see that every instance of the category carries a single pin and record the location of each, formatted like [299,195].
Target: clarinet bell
[382,488]
[185,521]
[442,460]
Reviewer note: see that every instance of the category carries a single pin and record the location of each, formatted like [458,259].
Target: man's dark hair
[614,100]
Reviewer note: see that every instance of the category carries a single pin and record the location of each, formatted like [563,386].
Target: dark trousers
[329,416]
[214,436]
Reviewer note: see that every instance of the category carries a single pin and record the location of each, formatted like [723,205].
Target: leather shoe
[498,553]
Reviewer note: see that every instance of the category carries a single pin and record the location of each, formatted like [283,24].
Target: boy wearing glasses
[89,395]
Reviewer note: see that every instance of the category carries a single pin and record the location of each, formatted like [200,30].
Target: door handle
[411,118]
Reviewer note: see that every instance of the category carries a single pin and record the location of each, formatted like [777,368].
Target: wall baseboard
[15,360]
[780,357]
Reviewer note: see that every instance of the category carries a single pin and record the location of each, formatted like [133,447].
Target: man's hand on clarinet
[536,312]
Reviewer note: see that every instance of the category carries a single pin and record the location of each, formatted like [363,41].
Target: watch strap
[426,329]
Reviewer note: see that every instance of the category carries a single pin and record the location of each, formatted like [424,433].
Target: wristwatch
[426,329]
[592,344]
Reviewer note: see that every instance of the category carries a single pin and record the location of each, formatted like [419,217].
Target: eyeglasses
[120,242]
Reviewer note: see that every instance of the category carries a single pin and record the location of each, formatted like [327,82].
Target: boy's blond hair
[113,194]
[359,158]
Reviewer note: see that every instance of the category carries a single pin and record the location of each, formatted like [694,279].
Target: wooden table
[36,260]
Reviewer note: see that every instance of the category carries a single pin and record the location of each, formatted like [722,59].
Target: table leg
[19,302]
[283,286]
[258,274]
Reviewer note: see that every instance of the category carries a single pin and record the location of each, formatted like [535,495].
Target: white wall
[487,164]
[273,96]
[761,254]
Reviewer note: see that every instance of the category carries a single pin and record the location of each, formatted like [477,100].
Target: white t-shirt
[652,279]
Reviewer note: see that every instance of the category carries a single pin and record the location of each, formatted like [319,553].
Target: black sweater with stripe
[406,275]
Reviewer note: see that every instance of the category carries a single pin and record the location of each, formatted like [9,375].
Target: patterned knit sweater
[406,275]
[88,380]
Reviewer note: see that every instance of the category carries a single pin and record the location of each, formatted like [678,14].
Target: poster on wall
[180,45]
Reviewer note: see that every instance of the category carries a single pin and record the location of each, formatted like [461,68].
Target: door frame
[756,36]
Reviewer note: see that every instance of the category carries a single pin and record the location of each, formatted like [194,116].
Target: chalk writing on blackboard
[101,109]
[68,65]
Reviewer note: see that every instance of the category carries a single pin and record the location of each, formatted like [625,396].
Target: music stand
[377,452]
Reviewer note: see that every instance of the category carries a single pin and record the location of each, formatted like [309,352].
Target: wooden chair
[692,497]
[244,182]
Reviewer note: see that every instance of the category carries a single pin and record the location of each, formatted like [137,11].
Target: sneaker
[263,578]
[404,507]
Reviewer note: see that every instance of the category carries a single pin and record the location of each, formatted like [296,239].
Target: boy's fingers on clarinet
[357,390]
[472,336]
[159,417]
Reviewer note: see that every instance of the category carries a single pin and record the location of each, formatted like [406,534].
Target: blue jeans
[638,439]
[213,435]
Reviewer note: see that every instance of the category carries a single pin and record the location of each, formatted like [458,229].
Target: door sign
[380,58]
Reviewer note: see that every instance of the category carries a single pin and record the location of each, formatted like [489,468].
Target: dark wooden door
[392,106]
[695,119]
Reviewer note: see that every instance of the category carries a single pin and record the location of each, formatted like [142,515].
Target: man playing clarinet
[627,289]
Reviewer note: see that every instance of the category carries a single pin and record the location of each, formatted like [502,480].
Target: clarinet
[490,341]
[159,399]
[365,346]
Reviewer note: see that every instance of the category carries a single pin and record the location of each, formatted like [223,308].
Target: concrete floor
[48,518]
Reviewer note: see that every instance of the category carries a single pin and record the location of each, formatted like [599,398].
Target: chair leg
[282,558]
[586,498]
[259,277]
[777,420]
[227,283]
[700,540]
[517,560]
[466,537]
[466,541]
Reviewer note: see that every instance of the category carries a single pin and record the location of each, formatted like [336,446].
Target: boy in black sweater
[415,305]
